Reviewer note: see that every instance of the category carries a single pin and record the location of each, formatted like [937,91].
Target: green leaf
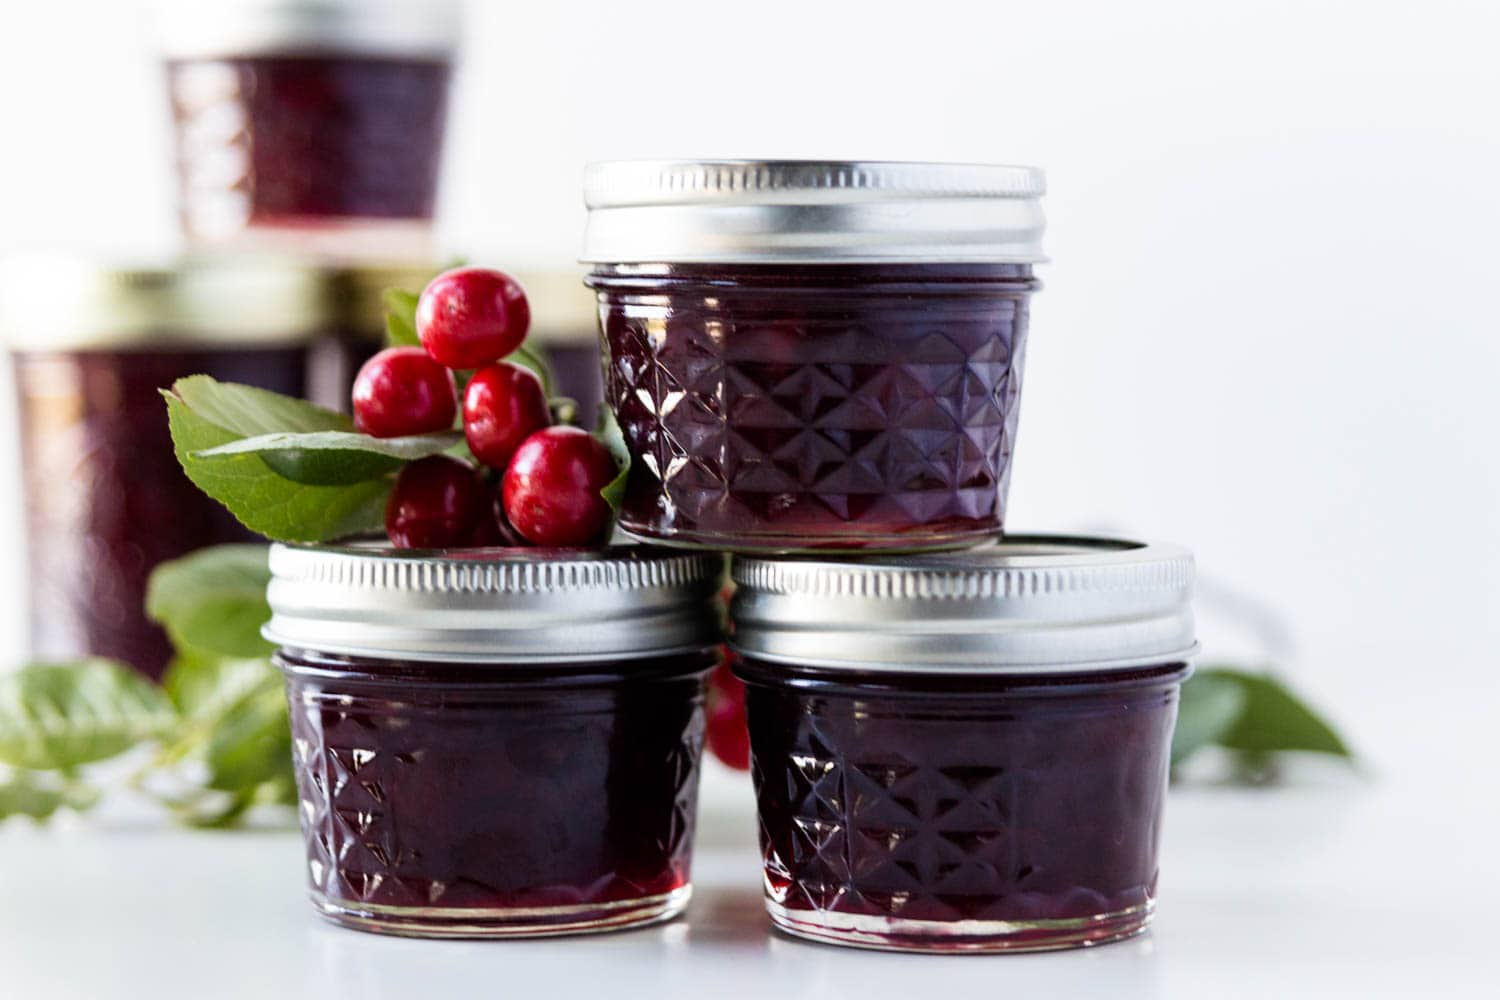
[214,600]
[334,458]
[206,688]
[248,411]
[24,794]
[253,743]
[400,318]
[57,716]
[1210,704]
[610,435]
[263,501]
[1274,719]
[237,728]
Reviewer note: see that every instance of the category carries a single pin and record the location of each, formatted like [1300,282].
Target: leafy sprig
[297,472]
[216,727]
[1253,716]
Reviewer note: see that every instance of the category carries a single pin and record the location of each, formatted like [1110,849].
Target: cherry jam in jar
[492,742]
[964,753]
[314,125]
[809,356]
[91,348]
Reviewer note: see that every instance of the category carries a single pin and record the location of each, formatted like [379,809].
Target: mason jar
[814,355]
[309,125]
[91,346]
[495,742]
[964,752]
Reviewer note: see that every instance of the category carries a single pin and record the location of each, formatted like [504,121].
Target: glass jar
[814,355]
[495,742]
[309,125]
[964,752]
[91,347]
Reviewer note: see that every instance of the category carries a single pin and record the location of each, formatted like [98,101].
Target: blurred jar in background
[105,500]
[565,323]
[309,125]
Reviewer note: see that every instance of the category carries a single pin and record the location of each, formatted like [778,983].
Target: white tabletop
[1338,886]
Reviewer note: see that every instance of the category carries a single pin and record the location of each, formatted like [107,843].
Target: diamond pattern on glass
[460,804]
[817,421]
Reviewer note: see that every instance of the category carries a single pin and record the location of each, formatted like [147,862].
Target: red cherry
[551,489]
[503,406]
[402,391]
[437,504]
[493,530]
[726,733]
[471,316]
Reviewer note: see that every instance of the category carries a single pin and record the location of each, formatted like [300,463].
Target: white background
[1269,329]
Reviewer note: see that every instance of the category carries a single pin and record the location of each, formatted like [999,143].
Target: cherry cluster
[536,483]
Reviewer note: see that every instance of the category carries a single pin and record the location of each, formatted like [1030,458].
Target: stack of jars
[960,738]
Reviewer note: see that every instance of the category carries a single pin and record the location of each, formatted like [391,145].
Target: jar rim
[1024,604]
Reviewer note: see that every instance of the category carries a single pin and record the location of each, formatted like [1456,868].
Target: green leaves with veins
[60,716]
[335,458]
[1250,714]
[205,414]
[218,721]
[214,600]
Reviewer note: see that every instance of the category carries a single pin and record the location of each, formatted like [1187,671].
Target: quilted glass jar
[814,355]
[91,347]
[492,742]
[309,125]
[965,752]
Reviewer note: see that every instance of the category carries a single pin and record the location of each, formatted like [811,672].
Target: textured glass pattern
[830,406]
[495,788]
[944,800]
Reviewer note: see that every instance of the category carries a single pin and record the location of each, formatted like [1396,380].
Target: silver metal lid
[206,29]
[811,211]
[1031,603]
[492,605]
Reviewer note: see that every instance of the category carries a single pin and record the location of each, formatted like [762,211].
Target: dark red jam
[822,406]
[105,498]
[935,812]
[303,140]
[484,799]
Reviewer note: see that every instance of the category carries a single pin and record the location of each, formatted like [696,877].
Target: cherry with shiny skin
[504,404]
[551,489]
[402,391]
[437,504]
[726,732]
[493,530]
[471,316]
